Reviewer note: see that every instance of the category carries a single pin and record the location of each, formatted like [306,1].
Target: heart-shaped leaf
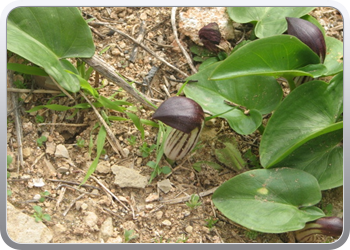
[309,111]
[322,157]
[259,94]
[270,200]
[44,35]
[269,21]
[334,56]
[282,55]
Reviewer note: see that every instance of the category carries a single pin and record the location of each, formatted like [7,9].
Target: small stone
[166,222]
[59,229]
[61,151]
[37,197]
[143,16]
[84,206]
[127,177]
[164,185]
[189,229]
[159,215]
[106,229]
[91,219]
[26,152]
[149,206]
[103,167]
[50,148]
[152,197]
[78,204]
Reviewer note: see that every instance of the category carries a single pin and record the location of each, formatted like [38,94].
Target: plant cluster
[301,146]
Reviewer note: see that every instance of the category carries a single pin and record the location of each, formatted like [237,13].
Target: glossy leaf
[322,157]
[270,200]
[269,21]
[334,56]
[259,94]
[45,35]
[282,55]
[309,111]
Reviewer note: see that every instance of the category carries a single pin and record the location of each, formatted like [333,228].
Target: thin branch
[110,136]
[109,72]
[145,48]
[173,24]
[18,122]
[72,203]
[64,124]
[109,192]
[62,89]
[183,199]
[141,35]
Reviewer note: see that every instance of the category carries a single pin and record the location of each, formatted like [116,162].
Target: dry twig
[110,136]
[173,24]
[36,91]
[183,199]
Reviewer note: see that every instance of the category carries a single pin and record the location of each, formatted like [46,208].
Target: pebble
[189,229]
[159,215]
[26,152]
[127,177]
[152,197]
[164,185]
[103,167]
[61,151]
[106,229]
[50,148]
[166,222]
[90,219]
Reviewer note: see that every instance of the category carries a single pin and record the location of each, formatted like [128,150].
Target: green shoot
[129,235]
[41,140]
[193,202]
[211,222]
[39,215]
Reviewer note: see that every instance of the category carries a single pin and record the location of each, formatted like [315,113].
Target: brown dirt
[153,221]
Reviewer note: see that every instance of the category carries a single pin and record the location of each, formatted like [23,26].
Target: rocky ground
[117,204]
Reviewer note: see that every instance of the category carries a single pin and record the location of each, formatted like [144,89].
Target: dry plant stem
[183,199]
[110,136]
[62,89]
[36,161]
[140,37]
[18,122]
[64,124]
[173,24]
[36,91]
[73,183]
[60,197]
[108,71]
[72,203]
[109,192]
[145,48]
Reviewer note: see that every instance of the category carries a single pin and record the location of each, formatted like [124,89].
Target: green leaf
[269,21]
[282,55]
[37,209]
[25,69]
[334,56]
[45,35]
[137,122]
[322,157]
[259,94]
[101,138]
[230,156]
[270,200]
[309,111]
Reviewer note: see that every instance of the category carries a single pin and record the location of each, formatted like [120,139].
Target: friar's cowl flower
[210,36]
[309,34]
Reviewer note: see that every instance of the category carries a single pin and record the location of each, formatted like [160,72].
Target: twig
[73,183]
[64,124]
[145,48]
[141,35]
[36,91]
[72,203]
[62,89]
[109,72]
[183,199]
[60,197]
[109,192]
[36,161]
[110,136]
[173,24]
[18,122]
